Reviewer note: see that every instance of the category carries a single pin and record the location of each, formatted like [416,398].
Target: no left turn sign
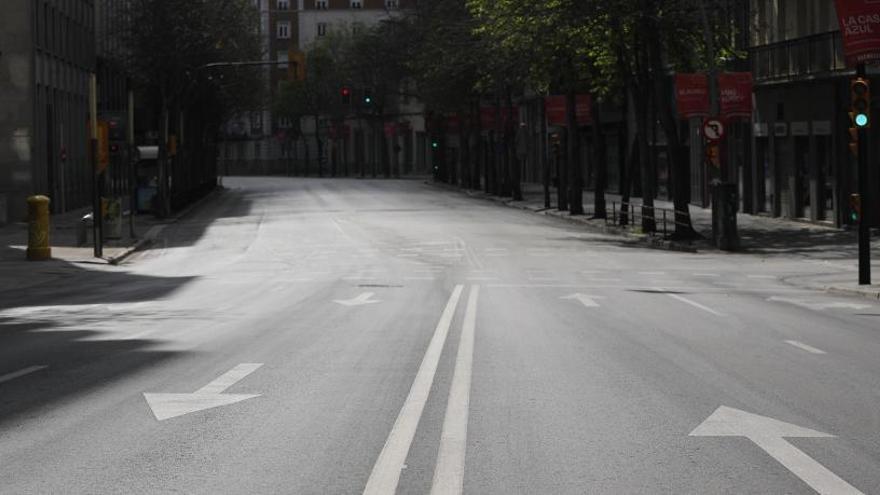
[713,129]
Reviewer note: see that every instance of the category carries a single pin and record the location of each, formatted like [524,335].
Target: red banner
[487,117]
[390,129]
[555,108]
[692,95]
[736,93]
[860,27]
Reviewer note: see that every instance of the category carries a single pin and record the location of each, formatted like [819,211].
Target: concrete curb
[156,230]
[646,241]
[872,294]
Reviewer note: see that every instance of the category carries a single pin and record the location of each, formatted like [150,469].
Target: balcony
[809,57]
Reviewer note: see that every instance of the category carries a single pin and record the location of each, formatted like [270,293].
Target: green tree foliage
[169,47]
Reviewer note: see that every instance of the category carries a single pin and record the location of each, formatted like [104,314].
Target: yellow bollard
[38,229]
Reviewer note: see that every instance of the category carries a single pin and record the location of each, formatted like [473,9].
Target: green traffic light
[861,120]
[435,144]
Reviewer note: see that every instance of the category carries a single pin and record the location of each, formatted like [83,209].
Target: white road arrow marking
[768,434]
[360,300]
[167,406]
[587,300]
[819,306]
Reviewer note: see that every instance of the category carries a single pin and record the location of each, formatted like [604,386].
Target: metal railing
[664,219]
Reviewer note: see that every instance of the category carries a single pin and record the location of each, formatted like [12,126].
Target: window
[282,59]
[283,30]
[392,4]
[321,4]
[357,4]
[322,29]
[283,4]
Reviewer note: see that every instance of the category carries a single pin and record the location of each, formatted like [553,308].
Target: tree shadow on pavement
[82,323]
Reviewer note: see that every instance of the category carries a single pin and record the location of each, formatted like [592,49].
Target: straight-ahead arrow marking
[167,406]
[587,300]
[360,300]
[768,434]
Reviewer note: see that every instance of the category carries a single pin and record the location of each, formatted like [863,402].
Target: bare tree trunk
[573,151]
[601,163]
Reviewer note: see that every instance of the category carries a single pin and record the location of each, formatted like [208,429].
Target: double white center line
[449,471]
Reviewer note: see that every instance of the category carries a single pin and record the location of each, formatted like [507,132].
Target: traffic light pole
[864,192]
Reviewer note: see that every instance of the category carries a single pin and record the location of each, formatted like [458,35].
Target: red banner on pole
[555,108]
[736,93]
[487,117]
[860,27]
[692,95]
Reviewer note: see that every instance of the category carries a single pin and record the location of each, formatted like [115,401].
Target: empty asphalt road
[306,336]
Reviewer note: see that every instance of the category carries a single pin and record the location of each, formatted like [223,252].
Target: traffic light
[855,208]
[296,65]
[860,93]
[368,97]
[435,144]
[345,93]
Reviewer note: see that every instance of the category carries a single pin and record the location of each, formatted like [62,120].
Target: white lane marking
[386,472]
[805,347]
[419,278]
[705,275]
[694,304]
[167,406]
[365,298]
[769,434]
[22,372]
[652,274]
[449,471]
[763,277]
[587,300]
[481,279]
[606,280]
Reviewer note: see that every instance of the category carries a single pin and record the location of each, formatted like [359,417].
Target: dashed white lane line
[805,347]
[707,275]
[386,472]
[449,471]
[17,374]
[695,304]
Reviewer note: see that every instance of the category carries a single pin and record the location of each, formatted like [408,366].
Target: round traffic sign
[713,129]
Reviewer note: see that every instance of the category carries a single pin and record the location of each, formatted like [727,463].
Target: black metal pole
[97,234]
[864,193]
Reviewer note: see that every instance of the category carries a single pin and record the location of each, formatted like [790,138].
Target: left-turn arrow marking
[365,298]
[167,406]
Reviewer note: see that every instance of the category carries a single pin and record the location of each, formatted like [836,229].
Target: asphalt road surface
[344,337]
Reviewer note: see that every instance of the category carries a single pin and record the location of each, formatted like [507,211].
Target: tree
[168,50]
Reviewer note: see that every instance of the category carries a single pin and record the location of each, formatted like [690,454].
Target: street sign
[713,129]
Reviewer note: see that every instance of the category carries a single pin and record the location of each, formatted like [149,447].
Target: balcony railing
[809,56]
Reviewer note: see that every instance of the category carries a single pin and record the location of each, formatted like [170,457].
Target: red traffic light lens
[345,91]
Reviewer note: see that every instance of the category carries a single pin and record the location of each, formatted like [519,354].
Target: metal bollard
[38,229]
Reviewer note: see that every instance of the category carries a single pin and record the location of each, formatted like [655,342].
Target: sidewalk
[16,272]
[759,235]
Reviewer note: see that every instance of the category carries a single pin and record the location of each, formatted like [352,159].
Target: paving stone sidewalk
[834,250]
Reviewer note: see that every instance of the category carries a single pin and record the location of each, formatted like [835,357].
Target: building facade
[46,56]
[801,164]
